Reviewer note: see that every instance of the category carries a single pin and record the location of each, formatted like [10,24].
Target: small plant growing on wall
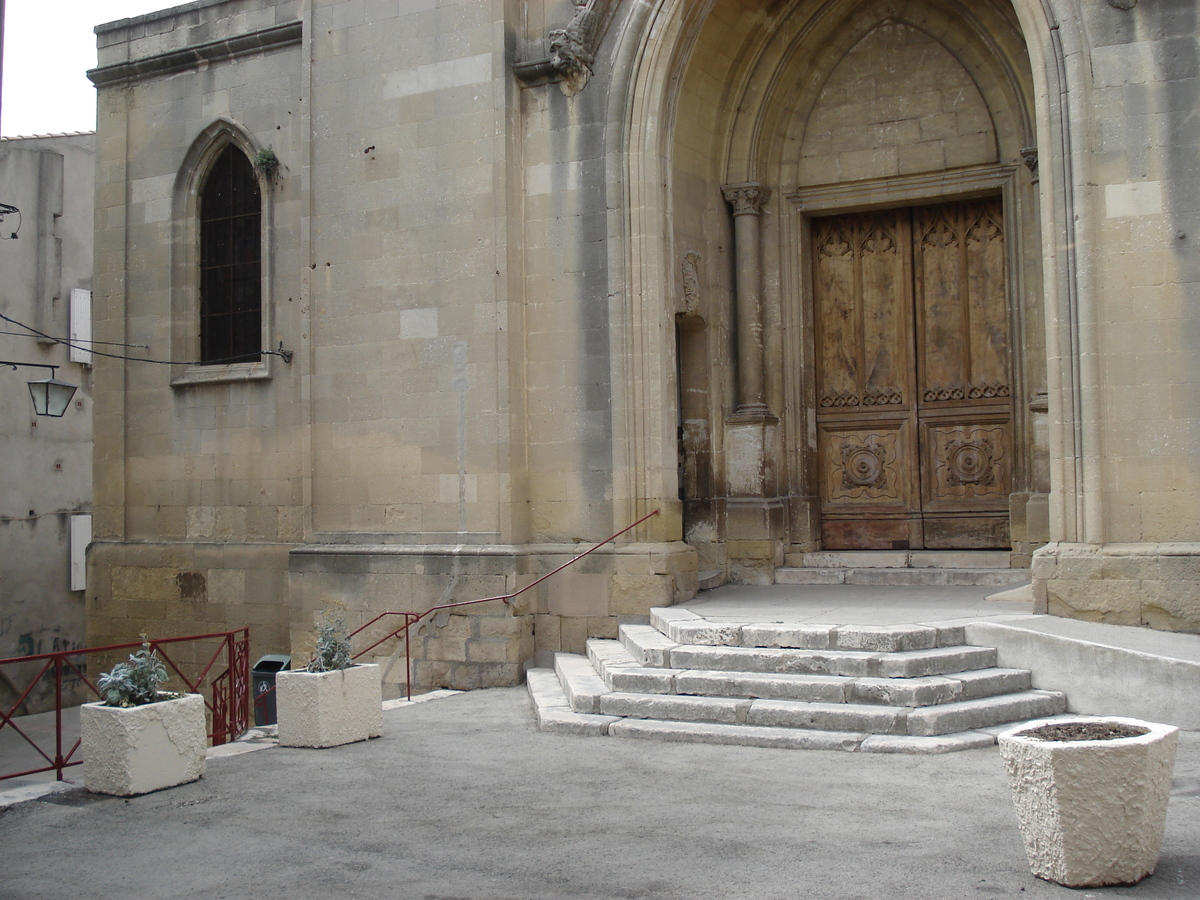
[333,644]
[266,163]
[136,682]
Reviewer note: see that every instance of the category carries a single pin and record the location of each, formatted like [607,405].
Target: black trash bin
[262,677]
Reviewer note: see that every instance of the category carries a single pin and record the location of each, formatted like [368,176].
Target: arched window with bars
[230,261]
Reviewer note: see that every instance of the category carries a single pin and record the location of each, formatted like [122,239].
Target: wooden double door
[914,407]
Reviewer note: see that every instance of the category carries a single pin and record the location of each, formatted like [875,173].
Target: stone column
[747,200]
[753,511]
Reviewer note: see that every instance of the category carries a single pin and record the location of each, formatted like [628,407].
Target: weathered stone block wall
[46,475]
[1128,528]
[898,103]
[409,284]
[173,589]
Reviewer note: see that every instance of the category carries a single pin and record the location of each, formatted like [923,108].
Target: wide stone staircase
[885,689]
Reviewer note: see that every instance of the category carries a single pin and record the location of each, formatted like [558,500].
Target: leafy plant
[134,683]
[333,644]
[266,162]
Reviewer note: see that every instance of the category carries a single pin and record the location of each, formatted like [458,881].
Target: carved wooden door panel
[913,409]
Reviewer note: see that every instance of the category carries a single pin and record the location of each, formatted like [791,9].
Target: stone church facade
[799,275]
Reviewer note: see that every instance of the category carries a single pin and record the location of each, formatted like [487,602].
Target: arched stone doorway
[891,394]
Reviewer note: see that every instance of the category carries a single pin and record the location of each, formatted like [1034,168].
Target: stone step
[587,692]
[792,739]
[581,683]
[883,576]
[986,712]
[686,627]
[901,559]
[651,648]
[834,717]
[620,671]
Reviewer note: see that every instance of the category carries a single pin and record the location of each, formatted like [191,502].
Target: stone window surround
[185,259]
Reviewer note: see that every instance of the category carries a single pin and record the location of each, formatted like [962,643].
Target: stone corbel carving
[1029,156]
[1123,4]
[572,49]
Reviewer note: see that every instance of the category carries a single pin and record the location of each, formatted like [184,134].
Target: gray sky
[48,46]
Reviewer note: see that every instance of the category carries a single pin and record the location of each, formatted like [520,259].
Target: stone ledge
[193,57]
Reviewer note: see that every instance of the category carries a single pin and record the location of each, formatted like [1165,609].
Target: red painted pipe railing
[228,690]
[411,618]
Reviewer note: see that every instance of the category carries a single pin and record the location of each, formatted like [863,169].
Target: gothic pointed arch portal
[892,394]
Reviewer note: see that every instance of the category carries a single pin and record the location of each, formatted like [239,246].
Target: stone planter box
[326,709]
[138,749]
[1091,812]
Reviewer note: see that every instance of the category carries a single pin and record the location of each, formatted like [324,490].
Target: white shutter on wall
[81,326]
[81,536]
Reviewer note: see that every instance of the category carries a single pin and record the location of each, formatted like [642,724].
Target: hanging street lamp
[51,397]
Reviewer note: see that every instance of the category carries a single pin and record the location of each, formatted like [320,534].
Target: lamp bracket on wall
[7,209]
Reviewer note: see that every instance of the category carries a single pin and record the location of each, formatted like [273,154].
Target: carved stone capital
[746,199]
[1123,4]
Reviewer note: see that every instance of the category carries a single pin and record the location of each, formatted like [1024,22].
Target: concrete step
[620,671]
[893,576]
[651,648]
[686,627]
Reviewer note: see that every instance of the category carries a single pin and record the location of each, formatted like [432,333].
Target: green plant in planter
[135,683]
[333,644]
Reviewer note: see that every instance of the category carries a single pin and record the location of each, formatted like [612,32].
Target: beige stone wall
[1123,423]
[898,103]
[447,307]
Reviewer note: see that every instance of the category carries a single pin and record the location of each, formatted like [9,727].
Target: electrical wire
[285,355]
[86,341]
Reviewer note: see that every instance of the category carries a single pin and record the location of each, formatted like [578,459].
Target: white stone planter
[135,750]
[325,709]
[1091,812]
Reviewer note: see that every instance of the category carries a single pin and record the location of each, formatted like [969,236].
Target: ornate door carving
[913,390]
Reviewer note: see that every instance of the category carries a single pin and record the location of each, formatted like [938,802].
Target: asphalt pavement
[463,799]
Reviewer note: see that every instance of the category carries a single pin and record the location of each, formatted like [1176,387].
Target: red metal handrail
[230,688]
[411,618]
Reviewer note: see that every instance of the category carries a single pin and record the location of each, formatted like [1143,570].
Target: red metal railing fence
[227,691]
[228,698]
